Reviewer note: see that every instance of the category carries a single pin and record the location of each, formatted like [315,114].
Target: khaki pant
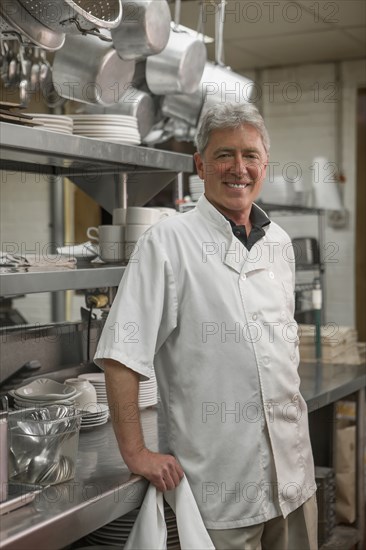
[299,531]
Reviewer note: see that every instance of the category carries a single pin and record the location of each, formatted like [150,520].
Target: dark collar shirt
[259,220]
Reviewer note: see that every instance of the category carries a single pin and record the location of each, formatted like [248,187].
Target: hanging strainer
[16,22]
[84,16]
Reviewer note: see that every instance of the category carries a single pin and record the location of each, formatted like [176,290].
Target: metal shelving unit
[82,277]
[99,168]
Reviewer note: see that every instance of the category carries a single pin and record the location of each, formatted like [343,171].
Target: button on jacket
[216,322]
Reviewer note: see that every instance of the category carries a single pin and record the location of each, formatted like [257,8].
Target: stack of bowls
[43,392]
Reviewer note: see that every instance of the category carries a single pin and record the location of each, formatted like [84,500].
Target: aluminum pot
[73,17]
[219,84]
[89,70]
[179,67]
[15,20]
[139,104]
[144,29]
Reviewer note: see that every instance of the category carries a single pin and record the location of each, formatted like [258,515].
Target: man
[210,298]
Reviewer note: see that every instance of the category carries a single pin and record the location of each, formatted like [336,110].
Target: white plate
[46,389]
[95,408]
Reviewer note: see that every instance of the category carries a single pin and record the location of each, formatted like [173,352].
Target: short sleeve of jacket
[144,311]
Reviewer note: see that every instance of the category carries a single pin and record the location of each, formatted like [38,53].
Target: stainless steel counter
[103,488]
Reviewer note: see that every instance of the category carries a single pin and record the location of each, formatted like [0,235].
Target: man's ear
[199,165]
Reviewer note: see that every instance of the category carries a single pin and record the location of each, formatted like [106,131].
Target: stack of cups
[138,220]
[117,241]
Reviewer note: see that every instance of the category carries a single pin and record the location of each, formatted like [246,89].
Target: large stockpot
[75,16]
[144,29]
[89,70]
[179,67]
[15,20]
[219,84]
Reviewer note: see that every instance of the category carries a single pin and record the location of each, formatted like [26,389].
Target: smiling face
[233,167]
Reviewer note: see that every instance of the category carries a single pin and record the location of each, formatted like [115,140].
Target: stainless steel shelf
[20,282]
[95,166]
[34,149]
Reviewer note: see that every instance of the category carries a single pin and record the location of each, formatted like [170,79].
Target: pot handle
[219,33]
[177,7]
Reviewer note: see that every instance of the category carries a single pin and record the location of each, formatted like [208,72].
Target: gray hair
[230,115]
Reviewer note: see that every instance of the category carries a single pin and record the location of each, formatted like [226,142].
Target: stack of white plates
[147,391]
[196,187]
[55,123]
[43,392]
[95,414]
[115,128]
[116,532]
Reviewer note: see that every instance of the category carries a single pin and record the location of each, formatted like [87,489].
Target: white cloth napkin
[149,531]
[36,260]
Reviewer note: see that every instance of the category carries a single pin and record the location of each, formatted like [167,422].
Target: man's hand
[122,384]
[162,470]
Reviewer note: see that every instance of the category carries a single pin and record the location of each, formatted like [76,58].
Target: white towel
[149,531]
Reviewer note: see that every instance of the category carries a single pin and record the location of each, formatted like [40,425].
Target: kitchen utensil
[111,239]
[15,21]
[179,67]
[219,84]
[144,29]
[87,393]
[49,437]
[46,389]
[141,215]
[95,75]
[73,17]
[139,104]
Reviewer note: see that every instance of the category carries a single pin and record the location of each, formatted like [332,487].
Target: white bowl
[46,389]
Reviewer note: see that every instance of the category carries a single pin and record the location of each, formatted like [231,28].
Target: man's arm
[122,384]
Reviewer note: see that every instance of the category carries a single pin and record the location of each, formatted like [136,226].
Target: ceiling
[261,33]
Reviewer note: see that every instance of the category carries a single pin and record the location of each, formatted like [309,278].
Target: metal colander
[16,21]
[79,16]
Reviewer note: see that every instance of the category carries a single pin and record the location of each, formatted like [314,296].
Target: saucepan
[89,70]
[139,104]
[144,29]
[74,17]
[219,84]
[179,67]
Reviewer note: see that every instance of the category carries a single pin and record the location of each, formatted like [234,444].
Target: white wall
[300,106]
[25,228]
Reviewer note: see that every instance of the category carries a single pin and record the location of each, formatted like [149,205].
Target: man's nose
[240,166]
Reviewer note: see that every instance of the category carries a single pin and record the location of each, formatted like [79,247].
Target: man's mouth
[237,185]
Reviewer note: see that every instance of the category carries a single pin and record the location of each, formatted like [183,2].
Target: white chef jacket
[216,322]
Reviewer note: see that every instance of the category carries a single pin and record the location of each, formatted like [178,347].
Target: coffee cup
[140,215]
[111,241]
[134,231]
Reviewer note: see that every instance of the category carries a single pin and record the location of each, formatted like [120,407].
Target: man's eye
[224,155]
